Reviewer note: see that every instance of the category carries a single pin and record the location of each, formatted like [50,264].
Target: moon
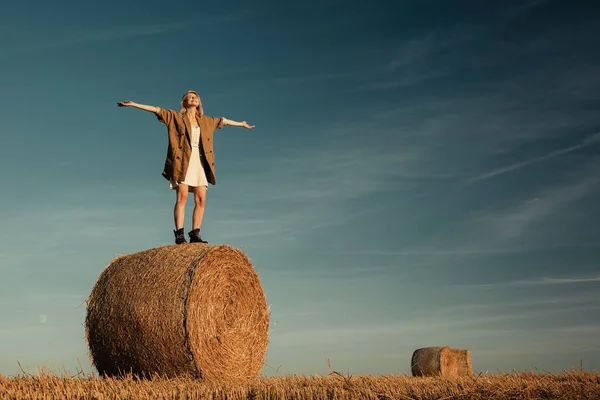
[43,318]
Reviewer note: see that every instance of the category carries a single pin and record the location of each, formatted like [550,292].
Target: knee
[181,200]
[199,201]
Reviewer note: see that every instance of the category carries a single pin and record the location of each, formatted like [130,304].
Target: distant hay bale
[441,361]
[194,310]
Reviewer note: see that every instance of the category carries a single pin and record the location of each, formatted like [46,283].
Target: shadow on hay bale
[195,310]
[441,361]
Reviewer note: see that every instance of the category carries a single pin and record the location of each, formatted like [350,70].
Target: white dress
[195,175]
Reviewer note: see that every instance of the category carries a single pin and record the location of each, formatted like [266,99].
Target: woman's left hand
[245,125]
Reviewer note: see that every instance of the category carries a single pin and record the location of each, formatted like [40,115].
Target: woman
[190,163]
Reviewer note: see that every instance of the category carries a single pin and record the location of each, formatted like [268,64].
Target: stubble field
[567,385]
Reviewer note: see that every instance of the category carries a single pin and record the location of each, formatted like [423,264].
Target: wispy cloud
[556,281]
[534,348]
[408,78]
[588,141]
[581,329]
[119,32]
[98,36]
[422,59]
[538,218]
[544,281]
[283,223]
[294,314]
[522,9]
[554,300]
[303,79]
[419,252]
[439,251]
[412,51]
[125,31]
[422,326]
[513,222]
[68,226]
[291,200]
[409,65]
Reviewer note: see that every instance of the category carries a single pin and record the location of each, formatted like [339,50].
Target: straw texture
[441,361]
[194,310]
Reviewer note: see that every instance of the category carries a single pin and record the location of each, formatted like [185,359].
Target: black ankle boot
[179,236]
[195,236]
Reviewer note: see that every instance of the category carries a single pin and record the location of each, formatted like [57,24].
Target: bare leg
[199,201]
[179,210]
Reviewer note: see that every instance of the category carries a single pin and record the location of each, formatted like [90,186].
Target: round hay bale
[441,361]
[195,310]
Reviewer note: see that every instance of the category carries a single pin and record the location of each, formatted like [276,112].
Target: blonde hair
[199,110]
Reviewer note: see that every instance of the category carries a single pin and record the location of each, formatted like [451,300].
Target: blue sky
[421,173]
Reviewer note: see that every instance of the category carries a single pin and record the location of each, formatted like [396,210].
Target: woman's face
[191,100]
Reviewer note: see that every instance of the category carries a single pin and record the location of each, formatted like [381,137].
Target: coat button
[179,146]
[209,139]
[213,163]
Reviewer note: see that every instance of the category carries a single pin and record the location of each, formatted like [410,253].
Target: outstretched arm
[144,107]
[235,123]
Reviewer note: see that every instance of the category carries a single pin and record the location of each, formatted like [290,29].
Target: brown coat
[180,149]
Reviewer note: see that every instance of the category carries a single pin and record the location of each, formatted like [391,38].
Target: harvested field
[569,385]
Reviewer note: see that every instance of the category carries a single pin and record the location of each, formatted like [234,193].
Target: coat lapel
[199,120]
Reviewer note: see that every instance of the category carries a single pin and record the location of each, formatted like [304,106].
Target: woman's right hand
[126,103]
